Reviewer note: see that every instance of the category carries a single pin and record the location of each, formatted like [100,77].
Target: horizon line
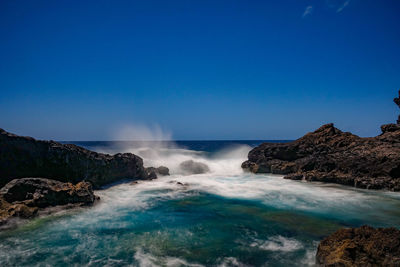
[186,140]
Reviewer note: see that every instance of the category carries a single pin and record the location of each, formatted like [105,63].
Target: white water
[272,190]
[224,162]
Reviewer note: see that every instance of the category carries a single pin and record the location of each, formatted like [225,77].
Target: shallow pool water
[199,220]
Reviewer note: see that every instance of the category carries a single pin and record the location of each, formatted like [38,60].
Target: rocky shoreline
[330,155]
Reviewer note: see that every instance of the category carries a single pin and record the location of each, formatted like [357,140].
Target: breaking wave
[157,149]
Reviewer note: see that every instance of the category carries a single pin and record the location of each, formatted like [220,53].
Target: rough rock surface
[330,155]
[194,167]
[26,157]
[364,246]
[26,196]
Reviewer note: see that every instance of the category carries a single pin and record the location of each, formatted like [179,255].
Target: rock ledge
[364,246]
[26,157]
[24,197]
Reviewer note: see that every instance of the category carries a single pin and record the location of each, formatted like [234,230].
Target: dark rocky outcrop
[153,172]
[26,157]
[162,170]
[194,167]
[25,197]
[330,155]
[364,246]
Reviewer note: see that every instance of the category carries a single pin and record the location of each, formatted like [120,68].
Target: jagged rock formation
[330,155]
[364,246]
[26,157]
[25,197]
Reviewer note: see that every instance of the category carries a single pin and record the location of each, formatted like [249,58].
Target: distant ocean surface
[197,145]
[225,217]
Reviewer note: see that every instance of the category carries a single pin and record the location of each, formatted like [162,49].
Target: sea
[225,217]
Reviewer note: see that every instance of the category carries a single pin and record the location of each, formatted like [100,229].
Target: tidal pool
[199,220]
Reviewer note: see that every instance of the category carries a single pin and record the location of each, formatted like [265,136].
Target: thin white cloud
[307,11]
[345,4]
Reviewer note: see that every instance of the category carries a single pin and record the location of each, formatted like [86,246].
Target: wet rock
[26,196]
[330,155]
[26,157]
[178,183]
[162,170]
[193,167]
[294,176]
[152,171]
[364,246]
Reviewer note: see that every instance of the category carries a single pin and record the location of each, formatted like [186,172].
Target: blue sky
[81,70]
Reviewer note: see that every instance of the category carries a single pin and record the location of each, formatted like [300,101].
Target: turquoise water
[223,218]
[243,220]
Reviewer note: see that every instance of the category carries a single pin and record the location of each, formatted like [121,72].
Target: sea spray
[157,148]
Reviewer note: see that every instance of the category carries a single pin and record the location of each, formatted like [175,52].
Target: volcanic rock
[162,170]
[26,157]
[26,196]
[330,155]
[364,246]
[178,183]
[152,172]
[194,167]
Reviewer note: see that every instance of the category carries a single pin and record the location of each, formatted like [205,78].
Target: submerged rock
[162,170]
[330,155]
[153,172]
[364,246]
[193,167]
[178,183]
[25,197]
[150,173]
[26,157]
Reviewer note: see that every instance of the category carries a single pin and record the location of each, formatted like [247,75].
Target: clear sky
[81,70]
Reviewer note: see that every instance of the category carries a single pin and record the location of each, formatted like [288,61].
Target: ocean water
[222,218]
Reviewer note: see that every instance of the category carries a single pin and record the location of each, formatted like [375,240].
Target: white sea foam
[278,243]
[231,262]
[157,148]
[149,260]
[226,162]
[271,190]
